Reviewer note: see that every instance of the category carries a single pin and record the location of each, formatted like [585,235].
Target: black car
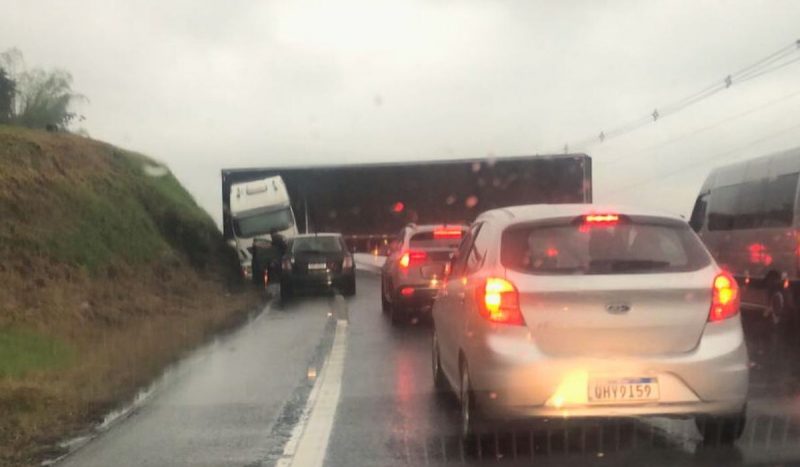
[317,261]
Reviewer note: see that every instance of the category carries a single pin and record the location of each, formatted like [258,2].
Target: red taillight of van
[724,298]
[498,302]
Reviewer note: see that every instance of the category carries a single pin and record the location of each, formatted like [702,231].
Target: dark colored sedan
[317,261]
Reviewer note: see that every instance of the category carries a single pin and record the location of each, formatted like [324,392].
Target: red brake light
[445,233]
[601,219]
[412,256]
[407,291]
[498,302]
[724,298]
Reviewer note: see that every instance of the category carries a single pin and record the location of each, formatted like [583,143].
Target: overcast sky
[203,85]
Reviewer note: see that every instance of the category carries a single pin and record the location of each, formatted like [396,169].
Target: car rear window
[430,239]
[317,245]
[625,248]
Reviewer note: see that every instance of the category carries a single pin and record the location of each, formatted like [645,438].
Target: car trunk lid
[604,315]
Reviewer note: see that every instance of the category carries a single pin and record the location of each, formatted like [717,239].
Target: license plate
[622,390]
[433,270]
[316,266]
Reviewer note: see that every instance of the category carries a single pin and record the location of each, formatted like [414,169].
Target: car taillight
[498,302]
[599,220]
[724,298]
[444,233]
[287,264]
[348,262]
[411,257]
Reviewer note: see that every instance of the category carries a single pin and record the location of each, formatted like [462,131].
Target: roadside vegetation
[109,272]
[35,97]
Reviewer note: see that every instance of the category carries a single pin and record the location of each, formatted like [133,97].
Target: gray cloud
[206,85]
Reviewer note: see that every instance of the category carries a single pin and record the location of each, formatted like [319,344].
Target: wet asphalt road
[236,401]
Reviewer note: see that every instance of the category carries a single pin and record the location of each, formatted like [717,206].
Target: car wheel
[287,291]
[468,418]
[349,287]
[781,305]
[396,314]
[721,430]
[385,305]
[439,379]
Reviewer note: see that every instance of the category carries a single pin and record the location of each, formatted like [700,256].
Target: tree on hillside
[8,89]
[43,98]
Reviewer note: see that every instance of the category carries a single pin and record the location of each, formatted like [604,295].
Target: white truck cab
[257,208]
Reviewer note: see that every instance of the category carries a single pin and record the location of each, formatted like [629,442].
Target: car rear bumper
[511,378]
[494,411]
[316,281]
[421,300]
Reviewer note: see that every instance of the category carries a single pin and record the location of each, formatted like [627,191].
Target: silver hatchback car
[579,311]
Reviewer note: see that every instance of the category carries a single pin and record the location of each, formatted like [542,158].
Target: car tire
[287,291]
[721,430]
[349,288]
[468,415]
[385,305]
[781,305]
[439,379]
[397,312]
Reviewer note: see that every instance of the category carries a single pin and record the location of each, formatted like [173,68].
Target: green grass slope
[108,271]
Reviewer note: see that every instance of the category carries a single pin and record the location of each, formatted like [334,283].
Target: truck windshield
[263,223]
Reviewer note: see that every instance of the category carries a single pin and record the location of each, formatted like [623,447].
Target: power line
[705,161]
[770,70]
[703,129]
[759,68]
[788,50]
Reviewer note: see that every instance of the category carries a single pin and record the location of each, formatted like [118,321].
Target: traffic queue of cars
[590,311]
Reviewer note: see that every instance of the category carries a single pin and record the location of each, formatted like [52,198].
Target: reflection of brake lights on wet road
[571,391]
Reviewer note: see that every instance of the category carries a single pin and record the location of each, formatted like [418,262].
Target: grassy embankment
[108,272]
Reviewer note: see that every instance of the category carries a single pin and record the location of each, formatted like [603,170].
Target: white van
[747,215]
[257,208]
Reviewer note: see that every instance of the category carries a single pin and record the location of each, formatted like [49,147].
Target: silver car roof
[533,212]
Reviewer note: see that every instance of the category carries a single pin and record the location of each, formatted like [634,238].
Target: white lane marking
[309,441]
